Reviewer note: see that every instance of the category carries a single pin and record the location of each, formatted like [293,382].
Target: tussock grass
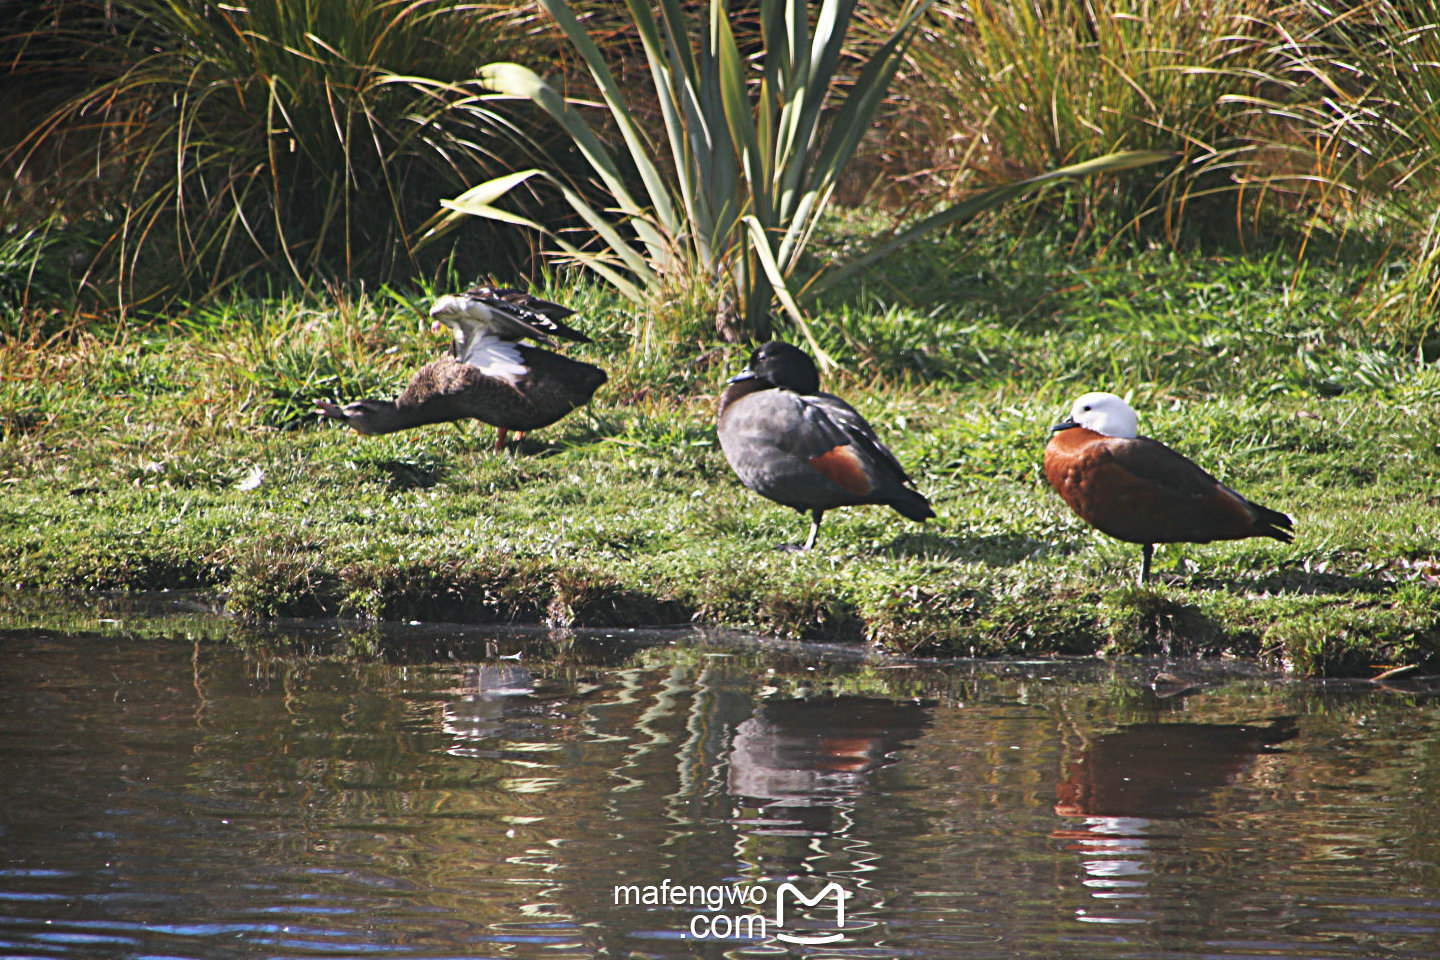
[185,457]
[1383,56]
[193,147]
[1016,88]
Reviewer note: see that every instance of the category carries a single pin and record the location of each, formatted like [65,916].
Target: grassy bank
[186,456]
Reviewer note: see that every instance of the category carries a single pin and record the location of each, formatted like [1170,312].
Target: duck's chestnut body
[1138,490]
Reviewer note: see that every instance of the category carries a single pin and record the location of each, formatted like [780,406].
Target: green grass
[125,464]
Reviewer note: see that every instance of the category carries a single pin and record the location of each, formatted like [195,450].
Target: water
[474,794]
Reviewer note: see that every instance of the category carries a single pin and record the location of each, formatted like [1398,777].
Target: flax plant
[752,149]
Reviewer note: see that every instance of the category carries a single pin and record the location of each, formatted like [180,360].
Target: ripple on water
[216,802]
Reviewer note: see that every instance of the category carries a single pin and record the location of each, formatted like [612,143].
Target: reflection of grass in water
[139,615]
[131,464]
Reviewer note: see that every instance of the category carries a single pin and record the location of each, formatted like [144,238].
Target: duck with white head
[1138,490]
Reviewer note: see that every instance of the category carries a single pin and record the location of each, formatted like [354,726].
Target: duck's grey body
[810,452]
[805,449]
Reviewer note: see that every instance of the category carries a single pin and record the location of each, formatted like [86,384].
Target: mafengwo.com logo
[733,912]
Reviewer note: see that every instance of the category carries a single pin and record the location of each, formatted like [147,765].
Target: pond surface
[472,794]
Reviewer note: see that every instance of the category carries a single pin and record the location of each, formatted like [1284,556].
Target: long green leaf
[865,96]
[491,190]
[600,265]
[655,184]
[986,200]
[832,22]
[478,201]
[666,77]
[739,117]
[693,126]
[512,79]
[760,243]
[515,80]
[639,265]
[808,181]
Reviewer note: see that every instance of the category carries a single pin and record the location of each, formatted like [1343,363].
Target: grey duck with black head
[805,449]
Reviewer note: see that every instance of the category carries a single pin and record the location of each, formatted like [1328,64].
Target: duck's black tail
[911,504]
[1272,523]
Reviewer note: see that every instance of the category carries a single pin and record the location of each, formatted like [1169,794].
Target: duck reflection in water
[795,764]
[492,701]
[1148,771]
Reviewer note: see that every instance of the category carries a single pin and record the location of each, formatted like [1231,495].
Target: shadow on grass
[994,550]
[553,445]
[1141,620]
[1296,583]
[412,474]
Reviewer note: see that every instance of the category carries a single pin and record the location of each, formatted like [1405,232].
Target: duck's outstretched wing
[520,298]
[491,355]
[505,313]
